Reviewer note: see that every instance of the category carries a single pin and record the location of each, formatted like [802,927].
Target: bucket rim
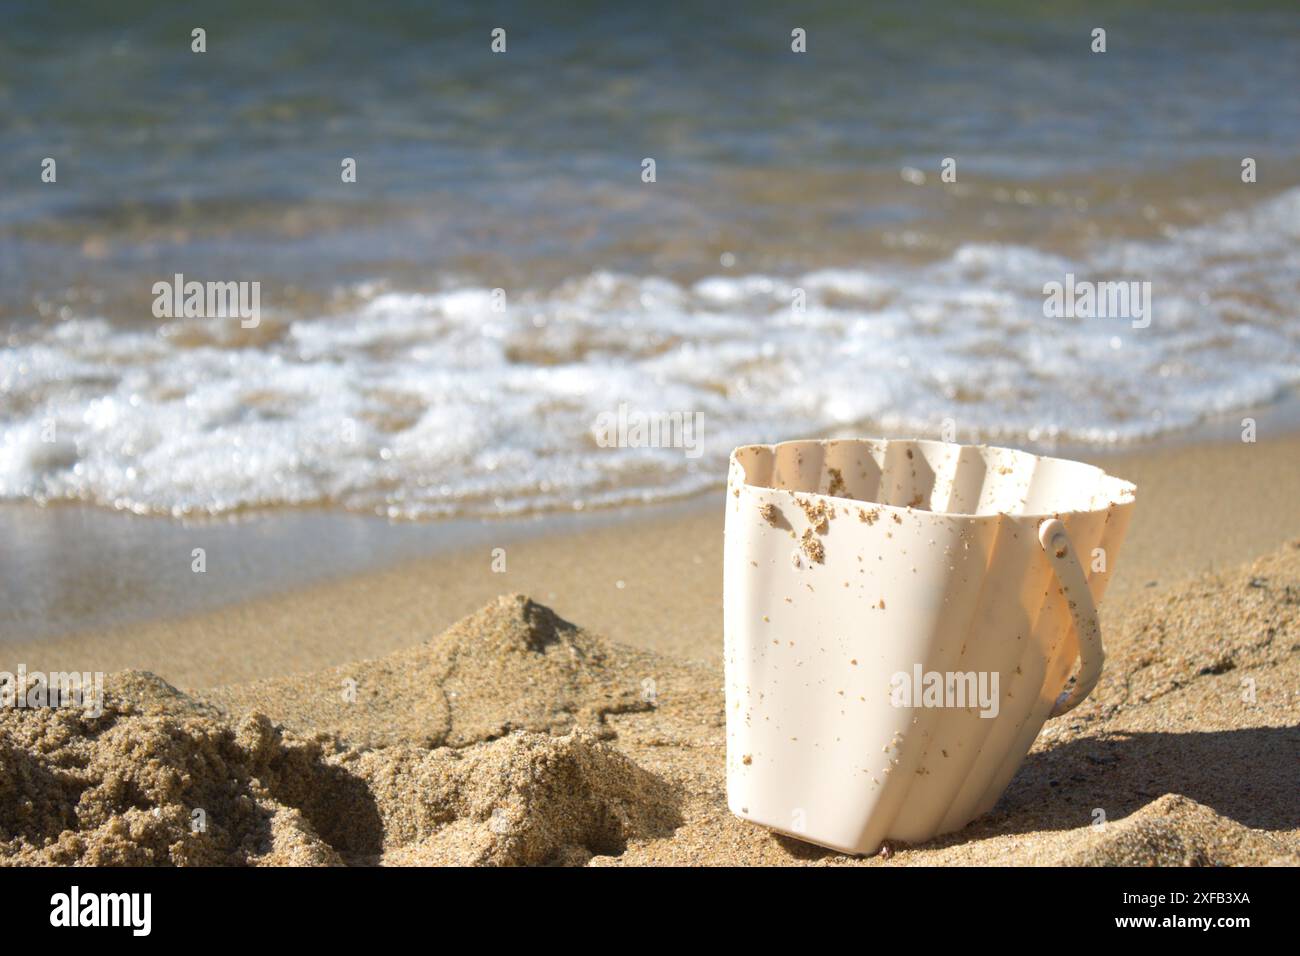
[1119,491]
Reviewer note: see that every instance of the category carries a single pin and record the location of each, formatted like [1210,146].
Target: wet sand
[653,582]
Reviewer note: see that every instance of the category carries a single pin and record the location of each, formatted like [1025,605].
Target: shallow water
[383,377]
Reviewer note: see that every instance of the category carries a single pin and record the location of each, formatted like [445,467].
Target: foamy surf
[421,404]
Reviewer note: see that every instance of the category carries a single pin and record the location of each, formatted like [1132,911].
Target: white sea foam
[430,404]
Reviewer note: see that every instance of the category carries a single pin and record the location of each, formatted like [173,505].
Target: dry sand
[516,737]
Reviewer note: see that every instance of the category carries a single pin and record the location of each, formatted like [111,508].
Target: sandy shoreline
[354,727]
[1200,507]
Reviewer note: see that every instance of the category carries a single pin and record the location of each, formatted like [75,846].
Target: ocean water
[798,268]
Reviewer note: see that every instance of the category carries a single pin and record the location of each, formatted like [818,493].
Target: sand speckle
[818,512]
[813,547]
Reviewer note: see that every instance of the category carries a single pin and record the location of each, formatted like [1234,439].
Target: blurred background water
[382,379]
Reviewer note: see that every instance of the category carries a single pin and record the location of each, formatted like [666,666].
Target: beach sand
[431,713]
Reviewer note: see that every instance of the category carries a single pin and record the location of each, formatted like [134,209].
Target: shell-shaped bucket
[900,621]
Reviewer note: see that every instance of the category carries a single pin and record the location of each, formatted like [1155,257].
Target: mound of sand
[1172,831]
[149,781]
[137,788]
[517,738]
[160,777]
[514,665]
[525,799]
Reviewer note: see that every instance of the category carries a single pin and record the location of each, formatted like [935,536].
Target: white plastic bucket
[872,590]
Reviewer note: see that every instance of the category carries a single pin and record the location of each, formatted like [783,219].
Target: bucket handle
[1074,585]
